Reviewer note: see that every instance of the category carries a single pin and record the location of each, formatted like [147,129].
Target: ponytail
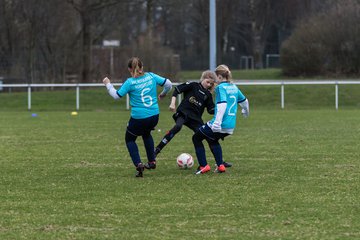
[136,66]
[224,71]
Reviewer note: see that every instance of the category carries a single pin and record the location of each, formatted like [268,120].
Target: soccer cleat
[139,170]
[227,164]
[220,169]
[150,165]
[202,170]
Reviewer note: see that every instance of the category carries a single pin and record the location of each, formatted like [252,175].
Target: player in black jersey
[197,97]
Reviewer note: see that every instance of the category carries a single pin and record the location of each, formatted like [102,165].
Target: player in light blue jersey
[227,98]
[141,88]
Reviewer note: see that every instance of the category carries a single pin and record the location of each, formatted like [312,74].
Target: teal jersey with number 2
[143,94]
[228,93]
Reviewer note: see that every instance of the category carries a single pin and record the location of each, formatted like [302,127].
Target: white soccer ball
[185,161]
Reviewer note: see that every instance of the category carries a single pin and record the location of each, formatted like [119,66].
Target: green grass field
[295,176]
[296,171]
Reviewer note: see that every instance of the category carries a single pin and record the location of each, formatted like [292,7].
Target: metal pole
[29,97]
[77,97]
[112,62]
[336,96]
[212,35]
[282,96]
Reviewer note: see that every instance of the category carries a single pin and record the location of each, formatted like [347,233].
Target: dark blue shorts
[139,127]
[209,134]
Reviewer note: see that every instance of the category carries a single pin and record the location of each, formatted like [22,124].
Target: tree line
[62,40]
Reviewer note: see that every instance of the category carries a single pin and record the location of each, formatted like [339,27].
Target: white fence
[282,84]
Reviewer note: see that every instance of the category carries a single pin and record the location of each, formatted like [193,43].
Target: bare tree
[44,44]
[88,10]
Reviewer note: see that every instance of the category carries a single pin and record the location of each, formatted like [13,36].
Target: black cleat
[150,165]
[227,164]
[139,170]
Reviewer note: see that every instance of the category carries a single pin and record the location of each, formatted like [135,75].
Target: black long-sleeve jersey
[196,99]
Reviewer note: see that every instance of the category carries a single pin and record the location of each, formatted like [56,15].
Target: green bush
[325,44]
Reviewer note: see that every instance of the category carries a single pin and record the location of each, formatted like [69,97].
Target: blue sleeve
[241,97]
[124,89]
[159,80]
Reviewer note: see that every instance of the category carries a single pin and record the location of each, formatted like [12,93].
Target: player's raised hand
[106,80]
[172,107]
[245,113]
[162,96]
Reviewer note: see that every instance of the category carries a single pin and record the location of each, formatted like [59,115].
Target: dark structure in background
[62,41]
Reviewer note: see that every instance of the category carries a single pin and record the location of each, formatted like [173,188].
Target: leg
[197,139]
[140,127]
[194,125]
[132,148]
[148,125]
[216,150]
[212,138]
[134,152]
[149,146]
[170,134]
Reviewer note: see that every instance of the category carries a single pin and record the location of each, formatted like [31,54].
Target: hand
[245,113]
[172,107]
[162,96]
[216,127]
[106,80]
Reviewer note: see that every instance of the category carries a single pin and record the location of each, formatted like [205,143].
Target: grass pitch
[295,176]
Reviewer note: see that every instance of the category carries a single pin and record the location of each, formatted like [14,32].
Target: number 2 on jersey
[231,111]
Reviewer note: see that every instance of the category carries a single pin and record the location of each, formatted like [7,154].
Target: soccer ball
[185,161]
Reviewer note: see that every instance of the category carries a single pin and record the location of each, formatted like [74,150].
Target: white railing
[282,84]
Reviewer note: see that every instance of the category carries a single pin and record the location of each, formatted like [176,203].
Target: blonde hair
[136,66]
[223,71]
[209,75]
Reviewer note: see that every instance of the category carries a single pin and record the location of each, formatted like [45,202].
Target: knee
[146,135]
[197,139]
[129,137]
[194,138]
[214,145]
[176,129]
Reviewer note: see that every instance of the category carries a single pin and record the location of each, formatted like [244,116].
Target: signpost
[111,44]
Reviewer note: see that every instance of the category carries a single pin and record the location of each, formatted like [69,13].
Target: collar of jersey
[224,82]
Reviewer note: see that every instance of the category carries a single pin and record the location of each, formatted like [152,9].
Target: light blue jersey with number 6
[228,93]
[143,95]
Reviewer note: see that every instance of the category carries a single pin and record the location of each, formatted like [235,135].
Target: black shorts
[191,123]
[139,127]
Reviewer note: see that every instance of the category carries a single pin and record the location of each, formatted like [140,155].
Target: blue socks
[134,152]
[149,147]
[200,155]
[217,152]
